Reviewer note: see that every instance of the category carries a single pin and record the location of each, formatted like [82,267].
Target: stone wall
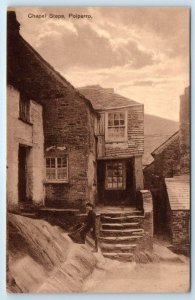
[139,184]
[147,223]
[92,156]
[69,124]
[179,223]
[184,132]
[31,136]
[165,164]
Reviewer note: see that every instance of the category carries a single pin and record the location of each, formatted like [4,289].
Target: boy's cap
[89,204]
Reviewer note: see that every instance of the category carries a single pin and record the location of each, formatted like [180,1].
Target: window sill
[116,141]
[56,182]
[26,122]
[119,189]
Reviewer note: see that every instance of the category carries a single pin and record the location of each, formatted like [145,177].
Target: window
[116,126]
[24,109]
[57,168]
[115,175]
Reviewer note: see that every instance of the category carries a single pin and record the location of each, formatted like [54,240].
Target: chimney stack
[13,26]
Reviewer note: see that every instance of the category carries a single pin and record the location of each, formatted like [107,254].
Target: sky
[143,53]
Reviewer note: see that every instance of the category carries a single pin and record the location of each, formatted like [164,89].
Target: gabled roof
[178,190]
[105,98]
[28,71]
[165,144]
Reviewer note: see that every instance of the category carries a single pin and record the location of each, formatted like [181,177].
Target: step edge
[118,245]
[117,254]
[125,230]
[125,239]
[123,217]
[120,224]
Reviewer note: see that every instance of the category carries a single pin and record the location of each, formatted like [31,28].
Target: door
[22,158]
[116,185]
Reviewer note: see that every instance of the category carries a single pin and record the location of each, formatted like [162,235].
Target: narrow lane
[113,276]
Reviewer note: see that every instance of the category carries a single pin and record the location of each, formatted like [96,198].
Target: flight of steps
[120,234]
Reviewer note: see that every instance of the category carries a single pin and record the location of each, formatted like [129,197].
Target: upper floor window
[57,168]
[116,126]
[24,108]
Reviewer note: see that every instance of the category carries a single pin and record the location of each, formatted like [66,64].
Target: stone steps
[120,233]
[119,256]
[122,214]
[121,219]
[119,225]
[117,248]
[120,239]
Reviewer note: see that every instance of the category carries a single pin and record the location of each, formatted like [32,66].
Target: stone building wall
[180,230]
[30,136]
[171,161]
[184,132]
[69,124]
[92,158]
[147,223]
[166,164]
[134,145]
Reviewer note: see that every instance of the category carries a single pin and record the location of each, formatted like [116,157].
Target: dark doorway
[124,194]
[22,168]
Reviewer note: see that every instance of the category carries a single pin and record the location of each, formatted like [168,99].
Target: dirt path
[131,277]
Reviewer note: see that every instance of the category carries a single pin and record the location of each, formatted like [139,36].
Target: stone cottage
[125,208]
[51,144]
[120,146]
[168,178]
[165,164]
[68,146]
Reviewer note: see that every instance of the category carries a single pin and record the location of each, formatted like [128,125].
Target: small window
[24,109]
[57,168]
[116,126]
[115,175]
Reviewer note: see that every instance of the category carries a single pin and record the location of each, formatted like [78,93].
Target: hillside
[42,259]
[156,130]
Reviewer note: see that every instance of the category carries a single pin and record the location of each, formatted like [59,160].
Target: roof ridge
[62,79]
[174,135]
[106,98]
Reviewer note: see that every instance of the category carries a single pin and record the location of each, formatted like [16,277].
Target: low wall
[180,231]
[147,223]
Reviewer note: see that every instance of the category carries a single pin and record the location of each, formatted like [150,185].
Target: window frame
[56,179]
[115,139]
[123,187]
[24,108]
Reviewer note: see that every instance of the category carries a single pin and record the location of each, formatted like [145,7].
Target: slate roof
[105,98]
[151,142]
[178,190]
[157,131]
[164,145]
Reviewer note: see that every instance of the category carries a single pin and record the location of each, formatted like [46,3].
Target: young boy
[90,224]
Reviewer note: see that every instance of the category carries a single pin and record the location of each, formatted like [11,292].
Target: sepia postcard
[98,149]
